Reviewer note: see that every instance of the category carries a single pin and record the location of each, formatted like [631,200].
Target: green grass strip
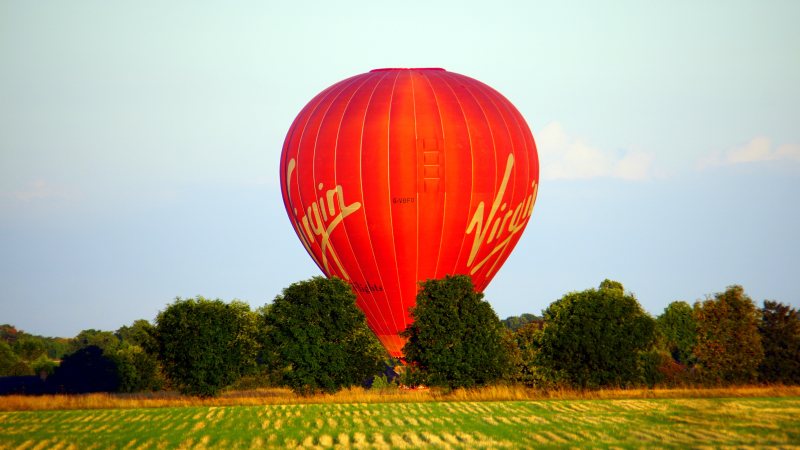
[641,423]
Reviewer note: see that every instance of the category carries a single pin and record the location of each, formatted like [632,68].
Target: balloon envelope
[397,176]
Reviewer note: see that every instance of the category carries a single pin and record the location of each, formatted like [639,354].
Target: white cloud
[757,150]
[562,156]
[634,166]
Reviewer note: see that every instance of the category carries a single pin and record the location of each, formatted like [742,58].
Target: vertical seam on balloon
[310,114]
[527,138]
[389,188]
[314,151]
[529,146]
[364,206]
[494,144]
[375,305]
[416,188]
[504,254]
[442,155]
[472,167]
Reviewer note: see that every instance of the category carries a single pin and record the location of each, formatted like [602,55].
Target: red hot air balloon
[397,176]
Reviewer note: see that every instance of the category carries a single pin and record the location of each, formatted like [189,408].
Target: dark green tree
[677,331]
[528,344]
[728,349]
[595,337]
[780,337]
[140,333]
[86,370]
[137,370]
[456,339]
[137,358]
[205,345]
[319,338]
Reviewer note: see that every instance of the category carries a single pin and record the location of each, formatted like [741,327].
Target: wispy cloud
[563,156]
[38,190]
[757,150]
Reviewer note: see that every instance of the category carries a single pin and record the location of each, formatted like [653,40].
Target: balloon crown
[386,69]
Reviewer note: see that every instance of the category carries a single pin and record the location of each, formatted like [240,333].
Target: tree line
[313,338]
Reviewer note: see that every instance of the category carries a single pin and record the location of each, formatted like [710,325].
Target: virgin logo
[320,219]
[500,225]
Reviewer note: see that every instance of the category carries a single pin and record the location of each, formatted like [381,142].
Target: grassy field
[620,423]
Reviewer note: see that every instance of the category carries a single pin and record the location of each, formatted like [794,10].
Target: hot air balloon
[397,176]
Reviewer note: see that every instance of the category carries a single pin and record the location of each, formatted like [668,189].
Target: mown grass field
[620,423]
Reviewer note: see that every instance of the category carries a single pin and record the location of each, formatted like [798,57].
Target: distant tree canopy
[677,331]
[8,360]
[527,343]
[24,354]
[8,333]
[780,337]
[319,337]
[313,338]
[514,323]
[137,370]
[728,349]
[456,339]
[136,358]
[28,347]
[593,338]
[140,333]
[106,340]
[205,345]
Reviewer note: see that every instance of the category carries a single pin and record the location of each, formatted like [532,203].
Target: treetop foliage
[313,338]
[780,337]
[677,331]
[320,338]
[514,323]
[205,345]
[456,338]
[593,338]
[728,348]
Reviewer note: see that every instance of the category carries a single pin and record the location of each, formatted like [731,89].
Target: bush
[138,371]
[206,345]
[86,370]
[780,336]
[728,349]
[677,331]
[319,339]
[381,383]
[456,339]
[594,338]
[650,363]
[527,343]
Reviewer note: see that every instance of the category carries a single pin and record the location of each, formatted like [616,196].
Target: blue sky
[140,141]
